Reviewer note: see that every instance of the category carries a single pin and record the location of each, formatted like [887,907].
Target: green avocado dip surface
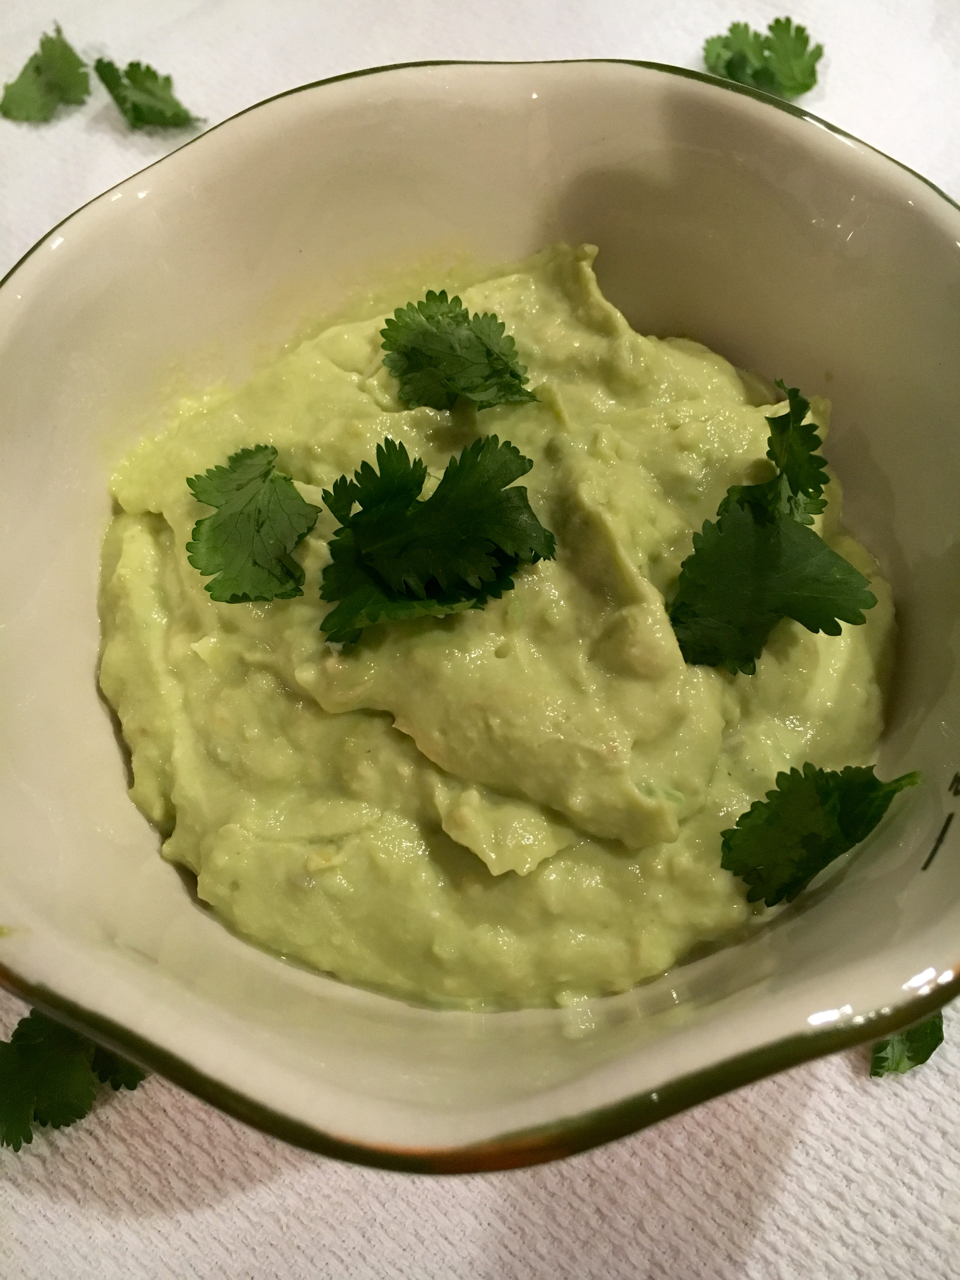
[518,805]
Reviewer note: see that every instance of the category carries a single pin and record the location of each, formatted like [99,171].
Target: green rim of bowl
[521,1147]
[572,1134]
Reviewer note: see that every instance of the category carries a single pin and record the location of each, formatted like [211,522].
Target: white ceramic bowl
[781,242]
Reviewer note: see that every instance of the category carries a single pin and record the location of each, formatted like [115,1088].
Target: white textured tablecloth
[818,1174]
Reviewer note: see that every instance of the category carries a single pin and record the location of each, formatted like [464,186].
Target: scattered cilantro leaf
[438,352]
[782,842]
[58,1062]
[760,561]
[143,96]
[739,56]
[54,74]
[399,557]
[16,1099]
[905,1050]
[780,62]
[49,1075]
[260,519]
[790,58]
[111,1069]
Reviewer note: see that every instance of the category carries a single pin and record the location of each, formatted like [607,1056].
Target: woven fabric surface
[817,1173]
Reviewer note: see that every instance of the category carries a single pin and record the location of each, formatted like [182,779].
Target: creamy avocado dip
[517,805]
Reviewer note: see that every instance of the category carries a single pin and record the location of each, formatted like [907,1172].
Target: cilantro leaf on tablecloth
[439,352]
[904,1050]
[117,1072]
[790,58]
[260,519]
[57,1061]
[144,97]
[49,1076]
[813,816]
[739,55]
[398,557]
[52,75]
[16,1099]
[780,62]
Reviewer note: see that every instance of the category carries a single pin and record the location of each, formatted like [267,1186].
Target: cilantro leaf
[790,58]
[16,1099]
[49,1075]
[398,557]
[260,519]
[760,561]
[111,1069]
[905,1050]
[793,445]
[58,1062]
[781,843]
[438,352]
[745,575]
[143,96]
[54,74]
[739,56]
[797,489]
[779,62]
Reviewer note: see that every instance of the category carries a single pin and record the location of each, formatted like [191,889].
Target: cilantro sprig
[53,75]
[260,519]
[780,62]
[144,97]
[57,74]
[904,1050]
[439,352]
[813,816]
[760,561]
[797,488]
[50,1075]
[400,557]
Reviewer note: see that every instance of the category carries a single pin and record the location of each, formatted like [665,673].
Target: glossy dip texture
[518,805]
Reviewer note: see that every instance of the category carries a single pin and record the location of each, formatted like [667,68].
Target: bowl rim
[570,1134]
[519,1148]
